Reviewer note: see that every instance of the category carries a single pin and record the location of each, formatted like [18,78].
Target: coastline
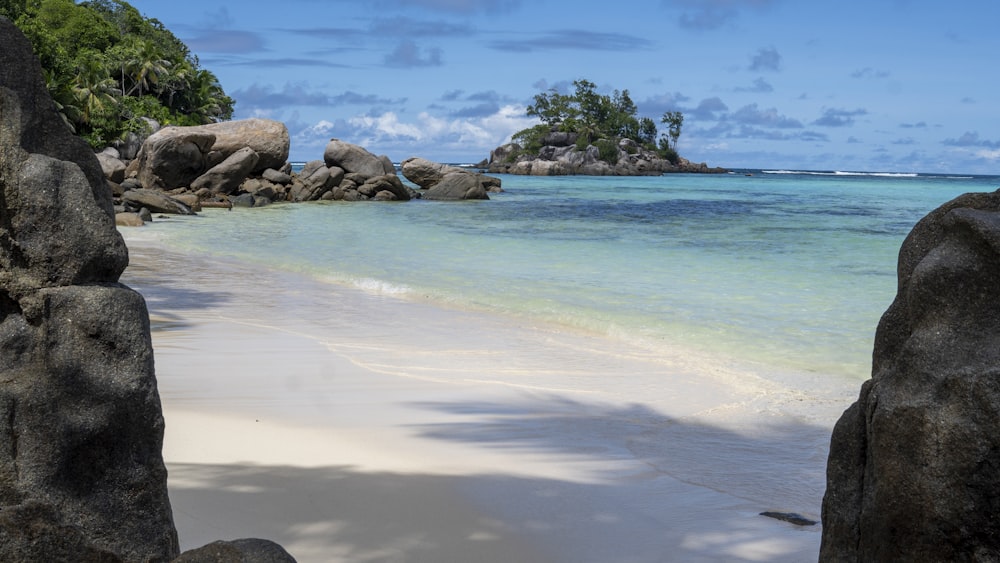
[351,426]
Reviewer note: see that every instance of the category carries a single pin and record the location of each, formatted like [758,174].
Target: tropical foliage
[598,120]
[107,67]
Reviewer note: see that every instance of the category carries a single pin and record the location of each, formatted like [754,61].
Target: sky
[873,85]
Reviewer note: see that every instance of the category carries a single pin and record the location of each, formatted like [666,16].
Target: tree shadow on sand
[167,298]
[671,510]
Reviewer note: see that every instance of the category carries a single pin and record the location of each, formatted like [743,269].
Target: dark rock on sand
[156,201]
[914,466]
[791,518]
[129,219]
[237,551]
[81,474]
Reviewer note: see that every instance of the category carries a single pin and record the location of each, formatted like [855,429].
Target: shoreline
[481,439]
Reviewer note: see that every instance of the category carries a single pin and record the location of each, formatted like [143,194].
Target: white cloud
[989,154]
[426,135]
[384,126]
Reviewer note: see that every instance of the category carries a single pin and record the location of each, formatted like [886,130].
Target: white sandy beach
[354,426]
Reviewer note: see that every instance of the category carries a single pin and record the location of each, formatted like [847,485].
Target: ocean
[788,271]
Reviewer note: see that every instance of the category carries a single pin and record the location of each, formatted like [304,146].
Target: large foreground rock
[155,202]
[82,477]
[80,422]
[914,466]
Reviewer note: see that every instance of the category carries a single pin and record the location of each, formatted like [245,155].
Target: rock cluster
[914,466]
[561,156]
[182,169]
[448,182]
[82,476]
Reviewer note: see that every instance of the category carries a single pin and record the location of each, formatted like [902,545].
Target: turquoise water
[790,270]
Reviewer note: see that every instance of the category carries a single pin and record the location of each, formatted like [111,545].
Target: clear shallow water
[786,269]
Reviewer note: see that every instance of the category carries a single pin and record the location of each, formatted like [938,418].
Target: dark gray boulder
[266,137]
[276,176]
[80,423]
[387,183]
[237,551]
[355,159]
[914,466]
[443,181]
[457,186]
[425,173]
[314,180]
[225,177]
[112,166]
[155,201]
[173,157]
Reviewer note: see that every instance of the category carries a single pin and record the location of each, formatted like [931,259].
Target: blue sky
[876,85]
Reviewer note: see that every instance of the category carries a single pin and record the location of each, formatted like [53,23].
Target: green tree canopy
[107,67]
[598,117]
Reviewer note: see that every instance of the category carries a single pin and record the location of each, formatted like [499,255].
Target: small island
[592,134]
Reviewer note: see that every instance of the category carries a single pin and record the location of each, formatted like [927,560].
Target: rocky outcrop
[175,157]
[80,422]
[561,155]
[914,466]
[266,137]
[444,182]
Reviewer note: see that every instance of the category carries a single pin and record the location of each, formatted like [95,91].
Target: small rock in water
[790,517]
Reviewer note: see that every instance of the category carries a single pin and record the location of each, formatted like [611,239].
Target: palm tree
[121,57]
[62,95]
[92,87]
[177,80]
[147,66]
[207,102]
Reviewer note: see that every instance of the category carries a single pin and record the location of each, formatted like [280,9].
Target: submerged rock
[914,466]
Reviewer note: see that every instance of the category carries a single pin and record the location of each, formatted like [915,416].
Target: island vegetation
[109,69]
[599,120]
